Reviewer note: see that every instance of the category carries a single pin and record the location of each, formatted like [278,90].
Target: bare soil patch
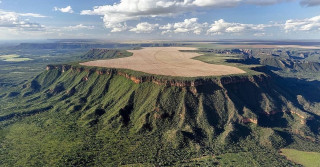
[166,61]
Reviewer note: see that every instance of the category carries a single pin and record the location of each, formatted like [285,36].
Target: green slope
[83,118]
[96,54]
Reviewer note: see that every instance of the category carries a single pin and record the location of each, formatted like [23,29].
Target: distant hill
[97,54]
[68,45]
[87,45]
[291,65]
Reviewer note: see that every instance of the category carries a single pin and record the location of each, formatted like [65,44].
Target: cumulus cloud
[78,27]
[266,2]
[115,15]
[216,3]
[189,25]
[166,32]
[166,27]
[310,3]
[308,24]
[118,27]
[67,9]
[221,27]
[32,15]
[144,27]
[17,21]
[218,27]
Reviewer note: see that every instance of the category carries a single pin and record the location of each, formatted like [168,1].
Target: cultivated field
[167,61]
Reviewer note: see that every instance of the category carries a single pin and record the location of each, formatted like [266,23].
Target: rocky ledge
[169,81]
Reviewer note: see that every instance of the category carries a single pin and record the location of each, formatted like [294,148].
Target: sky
[126,20]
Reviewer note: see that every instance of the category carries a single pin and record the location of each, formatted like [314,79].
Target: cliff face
[160,81]
[241,99]
[254,99]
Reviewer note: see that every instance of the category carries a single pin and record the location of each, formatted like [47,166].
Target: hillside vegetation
[85,118]
[307,159]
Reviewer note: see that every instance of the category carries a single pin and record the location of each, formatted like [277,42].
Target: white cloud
[67,9]
[310,3]
[221,27]
[115,15]
[17,21]
[166,32]
[166,27]
[189,25]
[216,3]
[118,27]
[32,15]
[266,2]
[144,28]
[78,27]
[118,13]
[309,24]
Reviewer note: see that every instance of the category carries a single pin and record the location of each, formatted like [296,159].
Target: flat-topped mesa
[166,61]
[169,81]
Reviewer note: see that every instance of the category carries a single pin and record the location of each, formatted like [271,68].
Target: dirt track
[166,61]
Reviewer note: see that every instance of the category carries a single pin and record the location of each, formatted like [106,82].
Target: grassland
[13,58]
[307,159]
[228,59]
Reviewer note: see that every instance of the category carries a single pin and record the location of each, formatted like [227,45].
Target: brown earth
[166,61]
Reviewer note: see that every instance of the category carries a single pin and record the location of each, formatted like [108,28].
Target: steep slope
[289,65]
[71,115]
[98,54]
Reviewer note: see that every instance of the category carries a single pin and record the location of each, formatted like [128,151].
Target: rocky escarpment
[121,117]
[160,80]
[249,98]
[258,92]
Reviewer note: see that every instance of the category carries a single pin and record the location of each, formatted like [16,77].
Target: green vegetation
[98,54]
[87,119]
[228,59]
[13,58]
[80,117]
[307,159]
[13,73]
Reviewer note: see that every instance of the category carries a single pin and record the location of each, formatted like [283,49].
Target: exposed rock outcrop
[224,80]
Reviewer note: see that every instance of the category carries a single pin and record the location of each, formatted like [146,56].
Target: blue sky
[160,19]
